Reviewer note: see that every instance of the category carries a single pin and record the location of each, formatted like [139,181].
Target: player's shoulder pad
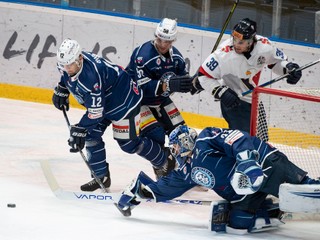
[176,51]
[264,44]
[144,52]
[226,47]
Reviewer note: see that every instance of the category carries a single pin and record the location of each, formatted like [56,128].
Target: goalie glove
[136,189]
[227,96]
[248,175]
[171,84]
[294,76]
[60,97]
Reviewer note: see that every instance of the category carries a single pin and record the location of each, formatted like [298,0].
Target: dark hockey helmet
[181,142]
[245,29]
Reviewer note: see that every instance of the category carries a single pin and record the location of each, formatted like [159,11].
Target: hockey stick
[282,77]
[84,157]
[125,213]
[225,25]
[194,81]
[105,198]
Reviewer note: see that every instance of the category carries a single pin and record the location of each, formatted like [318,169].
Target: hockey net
[290,121]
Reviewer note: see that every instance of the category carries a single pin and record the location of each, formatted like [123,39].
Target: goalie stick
[225,25]
[282,77]
[105,198]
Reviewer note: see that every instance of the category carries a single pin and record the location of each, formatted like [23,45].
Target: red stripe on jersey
[120,127]
[203,72]
[173,111]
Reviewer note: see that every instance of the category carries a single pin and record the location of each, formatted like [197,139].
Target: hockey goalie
[241,169]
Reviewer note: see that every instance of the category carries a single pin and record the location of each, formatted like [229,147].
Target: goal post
[289,120]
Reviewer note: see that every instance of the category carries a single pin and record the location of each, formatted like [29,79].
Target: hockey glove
[77,138]
[60,97]
[196,86]
[294,76]
[248,175]
[227,96]
[173,84]
[136,189]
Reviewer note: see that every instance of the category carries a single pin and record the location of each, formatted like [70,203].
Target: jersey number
[212,64]
[279,53]
[96,102]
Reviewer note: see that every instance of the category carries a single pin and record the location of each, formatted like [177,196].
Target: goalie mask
[167,30]
[68,52]
[181,143]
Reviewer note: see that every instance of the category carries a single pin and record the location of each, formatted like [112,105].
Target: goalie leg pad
[136,189]
[219,216]
[300,198]
[260,221]
[240,219]
[262,224]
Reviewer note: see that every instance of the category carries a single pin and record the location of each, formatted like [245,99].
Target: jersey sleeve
[210,73]
[63,76]
[171,186]
[277,58]
[138,71]
[280,60]
[227,141]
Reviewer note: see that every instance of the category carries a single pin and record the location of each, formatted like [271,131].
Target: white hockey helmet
[167,29]
[68,52]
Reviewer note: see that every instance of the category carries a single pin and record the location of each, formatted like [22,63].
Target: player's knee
[95,148]
[157,134]
[131,146]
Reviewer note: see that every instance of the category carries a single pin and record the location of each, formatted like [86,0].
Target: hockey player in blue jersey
[240,168]
[110,96]
[160,70]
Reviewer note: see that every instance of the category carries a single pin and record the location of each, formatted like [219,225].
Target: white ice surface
[31,132]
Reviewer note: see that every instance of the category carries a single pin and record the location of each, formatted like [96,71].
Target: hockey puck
[11,205]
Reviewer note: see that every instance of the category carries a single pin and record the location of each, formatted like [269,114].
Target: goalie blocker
[299,198]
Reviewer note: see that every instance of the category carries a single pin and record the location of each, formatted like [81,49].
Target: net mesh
[289,120]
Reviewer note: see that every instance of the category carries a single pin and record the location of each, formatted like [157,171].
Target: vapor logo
[94,197]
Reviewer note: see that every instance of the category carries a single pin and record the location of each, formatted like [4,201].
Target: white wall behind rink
[30,35]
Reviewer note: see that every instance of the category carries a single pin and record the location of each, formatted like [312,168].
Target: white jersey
[240,72]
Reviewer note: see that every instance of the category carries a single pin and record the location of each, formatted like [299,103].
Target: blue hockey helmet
[181,142]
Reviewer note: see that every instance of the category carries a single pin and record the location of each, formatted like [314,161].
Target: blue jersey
[147,66]
[212,164]
[103,88]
